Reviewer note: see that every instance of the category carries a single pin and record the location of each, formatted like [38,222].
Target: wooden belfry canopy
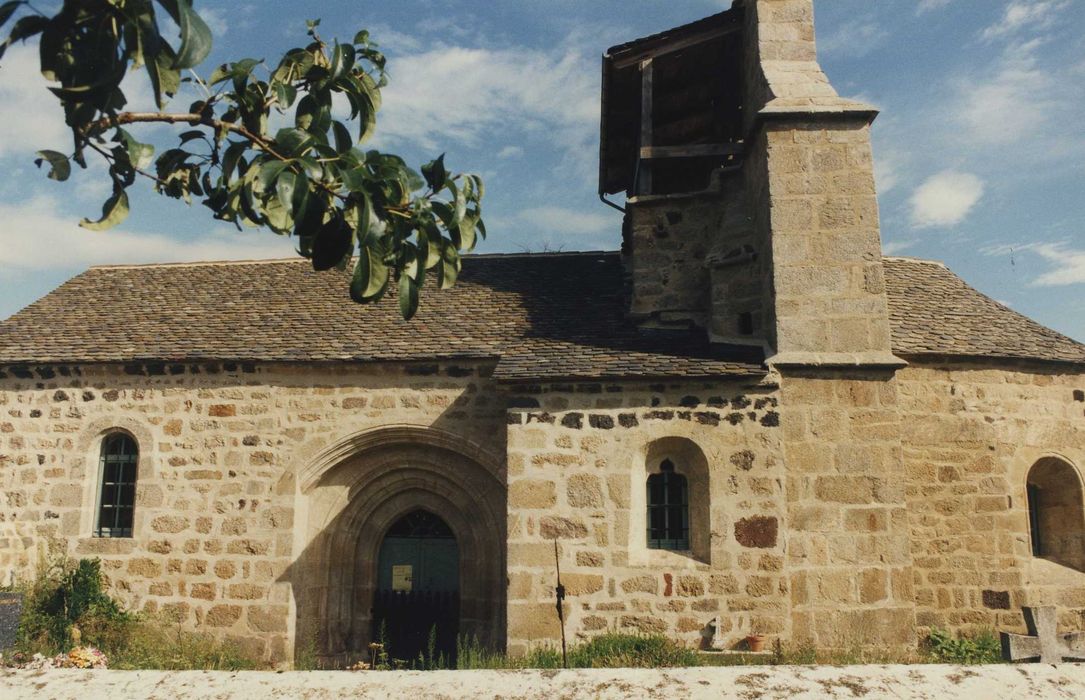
[672,107]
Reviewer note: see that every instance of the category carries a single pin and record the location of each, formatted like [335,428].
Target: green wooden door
[418,583]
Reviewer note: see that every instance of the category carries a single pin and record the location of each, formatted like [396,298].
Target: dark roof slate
[542,316]
[932,311]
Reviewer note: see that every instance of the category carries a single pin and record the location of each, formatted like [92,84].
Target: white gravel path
[1026,681]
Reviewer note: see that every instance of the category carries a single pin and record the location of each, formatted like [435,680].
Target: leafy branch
[311,180]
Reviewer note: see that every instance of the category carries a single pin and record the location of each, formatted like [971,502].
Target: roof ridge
[908,258]
[196,263]
[272,261]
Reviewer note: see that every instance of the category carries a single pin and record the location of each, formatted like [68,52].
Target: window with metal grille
[117,493]
[668,509]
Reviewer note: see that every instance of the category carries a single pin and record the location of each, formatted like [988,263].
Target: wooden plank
[634,57]
[696,151]
[644,170]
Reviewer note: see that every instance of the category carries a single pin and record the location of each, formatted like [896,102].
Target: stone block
[533,621]
[532,493]
[756,531]
[582,584]
[556,527]
[641,584]
[584,491]
[223,615]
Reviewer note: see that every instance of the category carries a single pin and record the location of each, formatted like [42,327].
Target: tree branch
[97,127]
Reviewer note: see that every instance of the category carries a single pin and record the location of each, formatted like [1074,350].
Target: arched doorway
[355,495]
[416,607]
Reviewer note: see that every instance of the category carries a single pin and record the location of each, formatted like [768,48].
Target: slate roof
[932,311]
[543,316]
[540,316]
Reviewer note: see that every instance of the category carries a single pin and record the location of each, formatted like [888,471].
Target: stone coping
[898,681]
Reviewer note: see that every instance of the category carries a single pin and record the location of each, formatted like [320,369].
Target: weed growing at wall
[983,648]
[66,607]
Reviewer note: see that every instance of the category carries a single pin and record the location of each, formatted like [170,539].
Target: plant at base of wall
[983,648]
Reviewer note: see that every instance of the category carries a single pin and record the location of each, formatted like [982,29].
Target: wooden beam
[644,170]
[650,52]
[696,151]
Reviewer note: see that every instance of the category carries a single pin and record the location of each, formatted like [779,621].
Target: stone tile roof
[932,311]
[543,316]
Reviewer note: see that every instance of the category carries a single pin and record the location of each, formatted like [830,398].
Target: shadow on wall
[1056,505]
[350,506]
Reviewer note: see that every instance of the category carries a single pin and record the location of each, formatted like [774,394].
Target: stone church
[747,420]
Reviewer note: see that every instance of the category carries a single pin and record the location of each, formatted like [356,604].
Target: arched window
[1057,513]
[117,490]
[668,509]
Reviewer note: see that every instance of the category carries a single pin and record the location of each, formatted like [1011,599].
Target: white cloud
[887,168]
[468,95]
[569,221]
[930,5]
[215,17]
[510,152]
[1018,99]
[856,37]
[31,116]
[37,237]
[1066,263]
[894,247]
[1025,14]
[945,199]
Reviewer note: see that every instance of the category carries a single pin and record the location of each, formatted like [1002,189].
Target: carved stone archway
[347,509]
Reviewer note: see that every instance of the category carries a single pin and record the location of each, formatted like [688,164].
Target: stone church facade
[747,418]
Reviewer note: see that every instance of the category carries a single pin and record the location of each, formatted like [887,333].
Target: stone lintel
[835,359]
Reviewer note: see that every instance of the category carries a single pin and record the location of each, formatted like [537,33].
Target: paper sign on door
[401,577]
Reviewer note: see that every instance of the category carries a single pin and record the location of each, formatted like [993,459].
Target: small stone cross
[1043,644]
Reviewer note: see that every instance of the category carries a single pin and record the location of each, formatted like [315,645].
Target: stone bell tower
[751,215]
[751,210]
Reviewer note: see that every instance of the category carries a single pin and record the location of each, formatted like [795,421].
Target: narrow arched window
[1056,508]
[668,509]
[117,492]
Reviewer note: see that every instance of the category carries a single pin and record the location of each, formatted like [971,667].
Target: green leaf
[165,78]
[269,172]
[195,35]
[342,137]
[221,74]
[284,188]
[342,60]
[8,8]
[114,211]
[449,269]
[60,168]
[334,241]
[293,142]
[140,154]
[285,95]
[467,234]
[408,296]
[435,173]
[231,157]
[370,276]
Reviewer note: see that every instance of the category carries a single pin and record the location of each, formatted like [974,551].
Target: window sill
[105,545]
[667,559]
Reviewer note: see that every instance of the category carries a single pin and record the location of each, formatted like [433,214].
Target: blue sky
[980,147]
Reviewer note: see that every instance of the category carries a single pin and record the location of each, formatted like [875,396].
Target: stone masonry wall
[848,556]
[578,460]
[971,433]
[220,446]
